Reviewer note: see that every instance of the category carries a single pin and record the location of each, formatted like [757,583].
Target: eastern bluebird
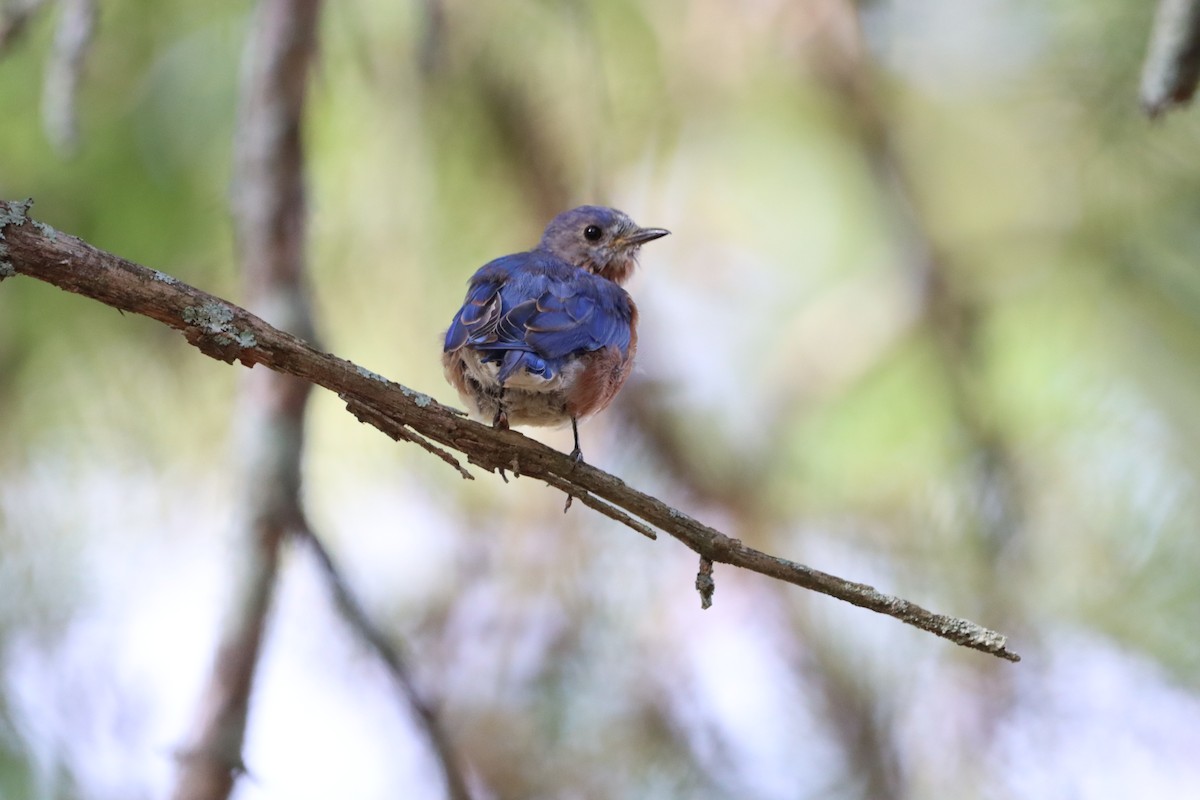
[549,335]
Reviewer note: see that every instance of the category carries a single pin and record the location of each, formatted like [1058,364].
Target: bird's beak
[643,235]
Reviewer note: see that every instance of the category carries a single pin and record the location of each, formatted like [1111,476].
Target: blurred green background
[929,319]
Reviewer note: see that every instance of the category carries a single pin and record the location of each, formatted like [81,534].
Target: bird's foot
[500,421]
[576,454]
[576,458]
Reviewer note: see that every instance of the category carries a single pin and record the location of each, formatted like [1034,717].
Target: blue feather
[534,312]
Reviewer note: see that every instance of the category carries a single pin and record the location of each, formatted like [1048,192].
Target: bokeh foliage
[930,318]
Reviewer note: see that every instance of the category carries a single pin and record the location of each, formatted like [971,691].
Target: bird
[549,335]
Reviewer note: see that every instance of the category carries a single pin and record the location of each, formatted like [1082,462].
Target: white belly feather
[528,399]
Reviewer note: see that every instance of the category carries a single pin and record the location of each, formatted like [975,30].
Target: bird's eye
[592,232]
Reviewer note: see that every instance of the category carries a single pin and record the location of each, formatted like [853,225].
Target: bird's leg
[576,454]
[500,421]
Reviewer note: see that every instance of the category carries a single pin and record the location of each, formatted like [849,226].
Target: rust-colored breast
[604,373]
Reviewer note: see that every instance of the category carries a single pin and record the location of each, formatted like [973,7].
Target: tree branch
[64,72]
[393,661]
[14,18]
[1172,64]
[268,199]
[226,332]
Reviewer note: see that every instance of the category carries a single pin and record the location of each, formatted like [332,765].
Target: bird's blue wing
[529,312]
[579,316]
[478,321]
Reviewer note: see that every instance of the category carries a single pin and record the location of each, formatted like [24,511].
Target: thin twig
[270,214]
[599,505]
[393,661]
[224,331]
[397,430]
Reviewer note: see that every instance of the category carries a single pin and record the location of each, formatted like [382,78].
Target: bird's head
[601,240]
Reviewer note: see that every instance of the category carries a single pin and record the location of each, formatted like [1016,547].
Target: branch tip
[705,584]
